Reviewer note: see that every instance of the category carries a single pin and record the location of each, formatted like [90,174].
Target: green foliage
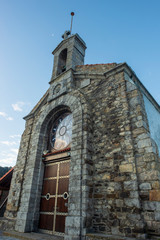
[4,170]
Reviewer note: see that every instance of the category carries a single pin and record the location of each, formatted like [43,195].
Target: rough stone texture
[154,195]
[114,174]
[5,224]
[13,235]
[107,237]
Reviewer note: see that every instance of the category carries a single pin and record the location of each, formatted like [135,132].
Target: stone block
[151,206]
[134,194]
[132,202]
[126,168]
[144,143]
[130,185]
[157,216]
[119,203]
[72,222]
[134,101]
[145,186]
[149,175]
[156,185]
[154,195]
[85,83]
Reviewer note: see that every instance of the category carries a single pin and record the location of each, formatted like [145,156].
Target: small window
[62,61]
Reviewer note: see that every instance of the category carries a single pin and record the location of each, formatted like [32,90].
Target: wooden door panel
[60,223]
[63,185]
[62,205]
[46,222]
[50,171]
[47,205]
[64,169]
[49,186]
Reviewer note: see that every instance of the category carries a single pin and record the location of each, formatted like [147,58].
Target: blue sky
[114,31]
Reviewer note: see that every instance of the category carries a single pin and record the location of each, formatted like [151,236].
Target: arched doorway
[55,194]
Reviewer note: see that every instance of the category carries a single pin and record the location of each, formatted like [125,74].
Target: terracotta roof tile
[96,68]
[5,175]
[96,64]
[58,151]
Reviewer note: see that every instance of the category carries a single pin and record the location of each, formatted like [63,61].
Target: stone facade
[114,181]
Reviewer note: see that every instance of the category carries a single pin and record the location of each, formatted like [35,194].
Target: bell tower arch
[62,61]
[69,53]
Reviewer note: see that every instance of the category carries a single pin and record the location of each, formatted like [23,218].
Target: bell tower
[69,53]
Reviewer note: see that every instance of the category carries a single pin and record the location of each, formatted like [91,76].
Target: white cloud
[15,136]
[8,161]
[15,150]
[9,118]
[9,150]
[8,143]
[9,158]
[18,106]
[3,114]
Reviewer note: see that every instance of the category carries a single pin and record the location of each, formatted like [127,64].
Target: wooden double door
[54,198]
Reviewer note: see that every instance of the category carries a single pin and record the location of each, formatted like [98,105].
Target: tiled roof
[5,180]
[96,68]
[6,174]
[96,64]
[58,151]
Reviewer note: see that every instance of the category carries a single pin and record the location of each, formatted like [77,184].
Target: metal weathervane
[72,14]
[67,33]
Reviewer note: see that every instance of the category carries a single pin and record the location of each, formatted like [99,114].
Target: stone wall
[116,204]
[125,188]
[14,196]
[147,160]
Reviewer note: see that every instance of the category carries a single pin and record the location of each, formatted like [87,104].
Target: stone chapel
[88,165]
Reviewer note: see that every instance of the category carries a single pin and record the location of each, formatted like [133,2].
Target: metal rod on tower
[72,14]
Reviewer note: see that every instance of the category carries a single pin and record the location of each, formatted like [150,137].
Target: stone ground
[12,235]
[2,237]
[8,238]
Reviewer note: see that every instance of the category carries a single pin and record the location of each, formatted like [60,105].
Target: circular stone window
[61,132]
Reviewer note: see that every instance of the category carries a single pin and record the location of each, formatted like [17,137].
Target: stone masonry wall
[116,208]
[18,174]
[147,161]
[125,188]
